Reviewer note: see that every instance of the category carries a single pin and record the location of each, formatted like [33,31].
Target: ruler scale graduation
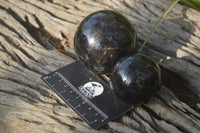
[86,94]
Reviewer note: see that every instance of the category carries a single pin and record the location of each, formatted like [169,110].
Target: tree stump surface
[36,37]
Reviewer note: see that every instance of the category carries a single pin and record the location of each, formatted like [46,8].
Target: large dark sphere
[102,38]
[136,79]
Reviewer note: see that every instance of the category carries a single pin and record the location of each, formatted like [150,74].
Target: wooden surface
[32,32]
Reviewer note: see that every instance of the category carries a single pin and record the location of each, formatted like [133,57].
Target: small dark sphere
[136,79]
[102,38]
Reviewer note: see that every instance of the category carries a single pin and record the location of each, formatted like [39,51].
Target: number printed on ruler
[75,99]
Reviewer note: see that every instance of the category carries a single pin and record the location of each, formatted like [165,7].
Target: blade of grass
[167,10]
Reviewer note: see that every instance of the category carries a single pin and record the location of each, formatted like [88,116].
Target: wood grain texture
[34,34]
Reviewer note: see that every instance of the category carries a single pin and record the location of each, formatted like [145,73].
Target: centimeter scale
[86,94]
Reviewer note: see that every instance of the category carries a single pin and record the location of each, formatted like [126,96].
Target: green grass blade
[167,10]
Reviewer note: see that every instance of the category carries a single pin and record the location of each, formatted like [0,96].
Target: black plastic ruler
[86,94]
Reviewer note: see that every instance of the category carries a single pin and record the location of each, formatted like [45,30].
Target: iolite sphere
[102,38]
[136,79]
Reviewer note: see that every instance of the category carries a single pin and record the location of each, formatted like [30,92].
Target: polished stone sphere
[102,38]
[136,79]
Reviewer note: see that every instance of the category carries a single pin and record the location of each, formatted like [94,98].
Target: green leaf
[195,4]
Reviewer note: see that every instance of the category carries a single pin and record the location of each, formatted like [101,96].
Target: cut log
[36,37]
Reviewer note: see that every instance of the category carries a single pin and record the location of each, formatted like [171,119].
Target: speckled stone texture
[102,38]
[136,79]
